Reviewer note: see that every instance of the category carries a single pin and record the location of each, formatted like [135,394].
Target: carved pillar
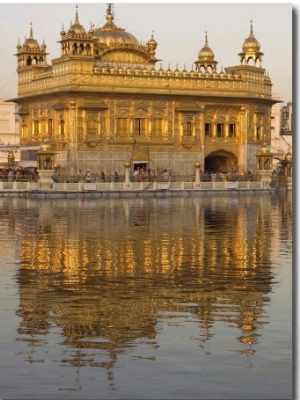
[197,183]
[150,129]
[226,130]
[127,183]
[214,130]
[72,155]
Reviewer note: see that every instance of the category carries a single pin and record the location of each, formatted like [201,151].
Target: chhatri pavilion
[106,101]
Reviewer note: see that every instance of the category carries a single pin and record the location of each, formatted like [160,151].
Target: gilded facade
[107,100]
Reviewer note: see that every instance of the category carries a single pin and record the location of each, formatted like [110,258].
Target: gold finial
[109,16]
[206,41]
[31,30]
[251,27]
[110,10]
[76,13]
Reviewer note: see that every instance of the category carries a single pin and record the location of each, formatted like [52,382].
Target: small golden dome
[251,44]
[161,71]
[76,28]
[184,71]
[19,47]
[169,71]
[177,71]
[152,44]
[206,54]
[288,156]
[63,32]
[222,74]
[43,46]
[31,43]
[264,150]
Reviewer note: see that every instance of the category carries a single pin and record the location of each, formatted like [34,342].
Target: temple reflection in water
[104,272]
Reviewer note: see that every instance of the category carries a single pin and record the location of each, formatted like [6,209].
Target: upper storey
[102,57]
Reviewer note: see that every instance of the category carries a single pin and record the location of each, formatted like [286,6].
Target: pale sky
[178,28]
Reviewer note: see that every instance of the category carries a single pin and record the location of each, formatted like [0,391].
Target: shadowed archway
[220,161]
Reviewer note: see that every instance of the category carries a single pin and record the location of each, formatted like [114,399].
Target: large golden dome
[111,34]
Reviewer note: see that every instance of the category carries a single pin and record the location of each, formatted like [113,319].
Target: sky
[178,28]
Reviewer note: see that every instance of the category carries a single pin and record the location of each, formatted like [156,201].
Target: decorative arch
[220,161]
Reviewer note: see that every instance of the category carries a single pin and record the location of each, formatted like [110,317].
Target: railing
[179,182]
[159,178]
[121,186]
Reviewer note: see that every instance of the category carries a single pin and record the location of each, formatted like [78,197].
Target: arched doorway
[220,161]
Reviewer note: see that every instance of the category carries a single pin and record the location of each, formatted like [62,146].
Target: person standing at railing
[136,174]
[10,175]
[102,176]
[166,176]
[150,175]
[88,176]
[18,175]
[55,177]
[116,176]
[141,175]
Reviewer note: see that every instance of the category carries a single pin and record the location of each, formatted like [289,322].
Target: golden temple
[105,102]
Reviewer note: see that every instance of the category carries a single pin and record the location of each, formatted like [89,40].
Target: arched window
[267,164]
[231,130]
[207,129]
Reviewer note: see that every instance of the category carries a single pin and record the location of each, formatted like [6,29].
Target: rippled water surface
[185,298]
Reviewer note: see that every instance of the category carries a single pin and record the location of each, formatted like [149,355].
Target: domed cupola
[31,44]
[115,45]
[206,59]
[63,32]
[151,45]
[251,50]
[110,34]
[76,28]
[31,53]
[76,42]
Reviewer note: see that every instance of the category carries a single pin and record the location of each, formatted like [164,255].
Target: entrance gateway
[221,160]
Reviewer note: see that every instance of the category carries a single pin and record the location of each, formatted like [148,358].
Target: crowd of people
[138,175]
[19,174]
[141,175]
